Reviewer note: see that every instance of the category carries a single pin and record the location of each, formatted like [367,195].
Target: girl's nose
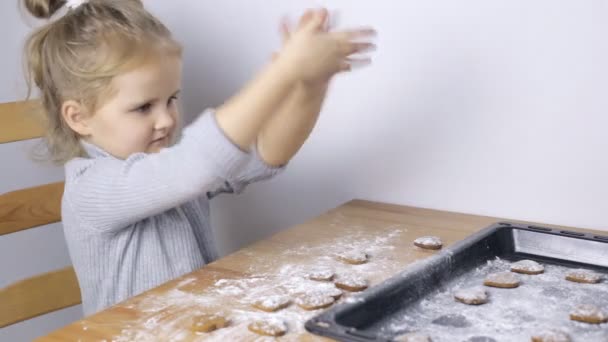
[165,120]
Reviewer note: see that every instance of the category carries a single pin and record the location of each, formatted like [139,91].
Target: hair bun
[43,9]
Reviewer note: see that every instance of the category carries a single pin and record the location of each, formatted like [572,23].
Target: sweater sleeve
[255,170]
[108,194]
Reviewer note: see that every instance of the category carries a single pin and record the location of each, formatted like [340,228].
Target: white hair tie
[73,4]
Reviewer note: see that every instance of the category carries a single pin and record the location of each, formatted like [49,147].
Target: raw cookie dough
[314,301]
[351,282]
[428,242]
[268,327]
[551,336]
[353,257]
[272,303]
[209,322]
[583,276]
[588,313]
[321,274]
[412,337]
[505,280]
[527,267]
[472,296]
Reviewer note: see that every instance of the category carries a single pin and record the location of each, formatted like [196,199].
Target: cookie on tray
[504,280]
[413,337]
[527,267]
[472,296]
[588,313]
[584,276]
[551,335]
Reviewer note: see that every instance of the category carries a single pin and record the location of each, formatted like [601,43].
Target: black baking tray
[359,320]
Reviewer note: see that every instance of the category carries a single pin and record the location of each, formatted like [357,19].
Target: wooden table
[384,231]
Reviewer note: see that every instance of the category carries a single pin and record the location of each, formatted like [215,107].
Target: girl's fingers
[344,67]
[333,20]
[364,32]
[356,63]
[284,29]
[357,47]
[306,17]
[348,64]
[317,22]
[324,14]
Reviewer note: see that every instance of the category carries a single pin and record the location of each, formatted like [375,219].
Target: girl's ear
[75,116]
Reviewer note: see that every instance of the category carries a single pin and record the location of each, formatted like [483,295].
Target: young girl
[136,202]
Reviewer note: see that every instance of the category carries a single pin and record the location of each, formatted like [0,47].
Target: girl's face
[142,115]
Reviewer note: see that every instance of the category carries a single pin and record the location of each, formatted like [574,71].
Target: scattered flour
[166,317]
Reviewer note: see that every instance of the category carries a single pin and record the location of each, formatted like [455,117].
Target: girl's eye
[172,100]
[144,108]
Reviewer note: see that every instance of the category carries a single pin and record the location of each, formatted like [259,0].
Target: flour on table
[267,275]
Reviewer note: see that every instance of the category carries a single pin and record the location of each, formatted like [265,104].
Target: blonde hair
[76,56]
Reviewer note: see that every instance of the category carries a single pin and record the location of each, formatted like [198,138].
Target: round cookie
[472,296]
[413,337]
[551,335]
[272,303]
[527,267]
[588,313]
[208,322]
[353,257]
[327,290]
[504,280]
[583,276]
[321,274]
[429,242]
[314,301]
[268,327]
[351,282]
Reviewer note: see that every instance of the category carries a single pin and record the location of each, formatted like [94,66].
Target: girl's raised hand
[314,53]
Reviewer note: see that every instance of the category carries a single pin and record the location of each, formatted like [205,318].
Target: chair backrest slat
[31,207]
[38,295]
[20,121]
[25,209]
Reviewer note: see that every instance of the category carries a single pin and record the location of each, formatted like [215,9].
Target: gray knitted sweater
[133,224]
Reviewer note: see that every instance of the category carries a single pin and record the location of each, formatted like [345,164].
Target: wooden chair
[26,209]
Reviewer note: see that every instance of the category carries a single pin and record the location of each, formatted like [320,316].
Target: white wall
[485,107]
